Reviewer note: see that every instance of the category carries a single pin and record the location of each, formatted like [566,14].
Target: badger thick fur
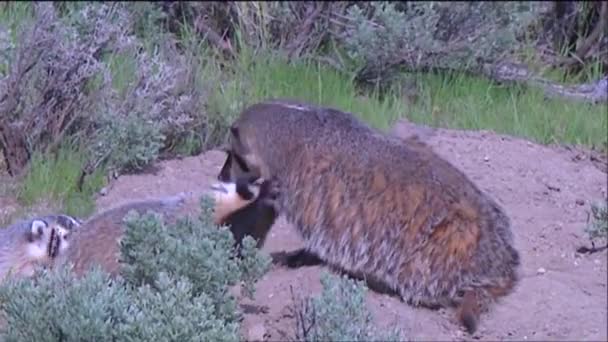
[380,207]
[96,242]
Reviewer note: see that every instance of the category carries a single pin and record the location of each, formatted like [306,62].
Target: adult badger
[387,209]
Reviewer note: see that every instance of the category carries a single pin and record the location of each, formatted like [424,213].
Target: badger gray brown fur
[96,243]
[379,207]
[37,242]
[245,205]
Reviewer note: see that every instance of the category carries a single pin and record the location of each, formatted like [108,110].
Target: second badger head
[245,203]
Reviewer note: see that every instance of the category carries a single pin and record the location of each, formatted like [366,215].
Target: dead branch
[595,92]
[12,132]
[295,49]
[214,38]
[595,38]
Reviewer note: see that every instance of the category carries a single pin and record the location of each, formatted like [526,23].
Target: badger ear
[74,221]
[37,228]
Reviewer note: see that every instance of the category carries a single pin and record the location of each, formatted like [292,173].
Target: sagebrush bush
[174,287]
[129,142]
[598,227]
[423,35]
[81,72]
[339,313]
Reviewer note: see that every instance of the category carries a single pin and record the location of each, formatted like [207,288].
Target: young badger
[245,205]
[29,244]
[379,207]
[97,240]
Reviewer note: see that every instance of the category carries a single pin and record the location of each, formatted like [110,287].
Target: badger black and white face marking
[48,239]
[59,241]
[39,239]
[61,226]
[232,196]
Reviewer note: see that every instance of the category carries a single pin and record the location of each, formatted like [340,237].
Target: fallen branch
[595,38]
[594,92]
[300,42]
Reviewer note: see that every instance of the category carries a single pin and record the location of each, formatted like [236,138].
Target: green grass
[466,102]
[55,180]
[268,76]
[450,101]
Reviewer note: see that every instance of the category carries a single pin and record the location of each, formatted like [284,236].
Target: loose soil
[547,192]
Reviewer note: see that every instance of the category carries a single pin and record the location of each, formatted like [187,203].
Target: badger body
[379,207]
[96,243]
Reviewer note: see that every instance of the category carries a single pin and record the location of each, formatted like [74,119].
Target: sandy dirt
[545,190]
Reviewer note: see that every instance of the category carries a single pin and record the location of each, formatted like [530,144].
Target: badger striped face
[59,241]
[46,240]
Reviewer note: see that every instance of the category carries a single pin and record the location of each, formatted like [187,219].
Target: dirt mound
[546,192]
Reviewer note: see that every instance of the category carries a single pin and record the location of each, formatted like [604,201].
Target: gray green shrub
[174,287]
[339,313]
[423,35]
[598,225]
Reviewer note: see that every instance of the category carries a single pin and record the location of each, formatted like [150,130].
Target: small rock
[541,271]
[486,159]
[257,332]
[580,202]
[103,191]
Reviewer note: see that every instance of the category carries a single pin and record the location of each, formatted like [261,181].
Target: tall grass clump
[262,76]
[54,179]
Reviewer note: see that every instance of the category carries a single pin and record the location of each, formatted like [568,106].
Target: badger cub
[96,243]
[245,205]
[29,244]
